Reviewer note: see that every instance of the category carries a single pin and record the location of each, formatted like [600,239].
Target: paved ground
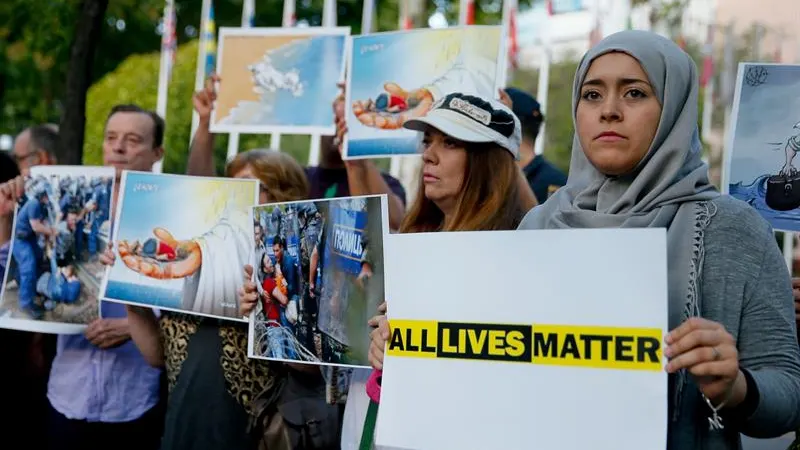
[767,444]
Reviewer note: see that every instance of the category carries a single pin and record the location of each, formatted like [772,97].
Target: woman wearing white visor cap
[469,182]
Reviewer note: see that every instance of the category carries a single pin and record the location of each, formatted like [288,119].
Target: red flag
[708,70]
[471,12]
[708,58]
[513,48]
[549,4]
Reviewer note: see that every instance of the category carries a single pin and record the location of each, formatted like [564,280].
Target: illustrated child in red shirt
[158,249]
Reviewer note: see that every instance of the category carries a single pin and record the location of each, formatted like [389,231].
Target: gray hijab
[669,187]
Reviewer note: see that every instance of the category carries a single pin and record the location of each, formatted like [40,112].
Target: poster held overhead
[397,76]
[278,80]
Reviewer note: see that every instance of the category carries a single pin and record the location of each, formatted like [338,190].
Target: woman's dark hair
[8,167]
[489,198]
[278,240]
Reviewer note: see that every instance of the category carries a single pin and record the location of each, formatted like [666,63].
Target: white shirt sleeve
[470,74]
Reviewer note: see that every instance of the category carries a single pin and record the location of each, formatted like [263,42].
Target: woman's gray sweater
[746,287]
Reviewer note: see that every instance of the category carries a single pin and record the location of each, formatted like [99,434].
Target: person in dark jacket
[543,177]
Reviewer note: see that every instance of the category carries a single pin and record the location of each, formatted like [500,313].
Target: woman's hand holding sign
[708,352]
[248,293]
[379,336]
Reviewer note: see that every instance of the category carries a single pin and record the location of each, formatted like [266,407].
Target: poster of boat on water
[761,166]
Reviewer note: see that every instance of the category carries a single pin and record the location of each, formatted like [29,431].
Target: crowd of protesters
[144,379]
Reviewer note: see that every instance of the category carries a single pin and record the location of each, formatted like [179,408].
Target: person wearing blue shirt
[26,251]
[102,392]
[543,177]
[100,199]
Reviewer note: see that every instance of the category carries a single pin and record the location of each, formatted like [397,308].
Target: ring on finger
[717,355]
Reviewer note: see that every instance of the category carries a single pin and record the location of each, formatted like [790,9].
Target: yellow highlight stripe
[562,345]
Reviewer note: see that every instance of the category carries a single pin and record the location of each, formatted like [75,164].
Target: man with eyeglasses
[36,146]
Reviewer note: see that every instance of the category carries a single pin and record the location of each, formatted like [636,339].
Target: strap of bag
[368,433]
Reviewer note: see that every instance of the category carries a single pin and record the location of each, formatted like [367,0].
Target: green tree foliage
[558,119]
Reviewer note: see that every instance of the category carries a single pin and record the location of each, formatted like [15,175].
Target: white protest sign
[525,339]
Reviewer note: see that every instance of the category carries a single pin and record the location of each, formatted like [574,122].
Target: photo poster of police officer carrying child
[61,226]
[319,271]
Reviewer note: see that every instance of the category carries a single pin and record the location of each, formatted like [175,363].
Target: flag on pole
[249,14]
[708,57]
[289,18]
[210,38]
[466,12]
[513,45]
[169,39]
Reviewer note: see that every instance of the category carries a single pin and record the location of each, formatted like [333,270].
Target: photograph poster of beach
[397,76]
[278,80]
[181,243]
[761,167]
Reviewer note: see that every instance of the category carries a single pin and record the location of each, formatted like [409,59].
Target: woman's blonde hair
[280,174]
[489,198]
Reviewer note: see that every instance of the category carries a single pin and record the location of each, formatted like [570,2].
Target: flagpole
[396,162]
[248,16]
[466,12]
[509,22]
[328,20]
[367,15]
[287,21]
[165,67]
[202,53]
[544,78]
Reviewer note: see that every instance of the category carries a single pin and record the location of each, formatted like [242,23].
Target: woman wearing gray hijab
[734,361]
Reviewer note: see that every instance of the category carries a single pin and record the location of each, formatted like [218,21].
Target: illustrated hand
[787,170]
[379,337]
[162,270]
[708,352]
[419,102]
[108,333]
[10,193]
[204,99]
[248,293]
[505,99]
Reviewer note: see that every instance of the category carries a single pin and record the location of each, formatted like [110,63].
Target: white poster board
[544,285]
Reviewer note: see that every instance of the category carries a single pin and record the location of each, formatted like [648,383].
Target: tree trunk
[73,119]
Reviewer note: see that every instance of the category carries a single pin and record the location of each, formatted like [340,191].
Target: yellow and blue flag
[210,39]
